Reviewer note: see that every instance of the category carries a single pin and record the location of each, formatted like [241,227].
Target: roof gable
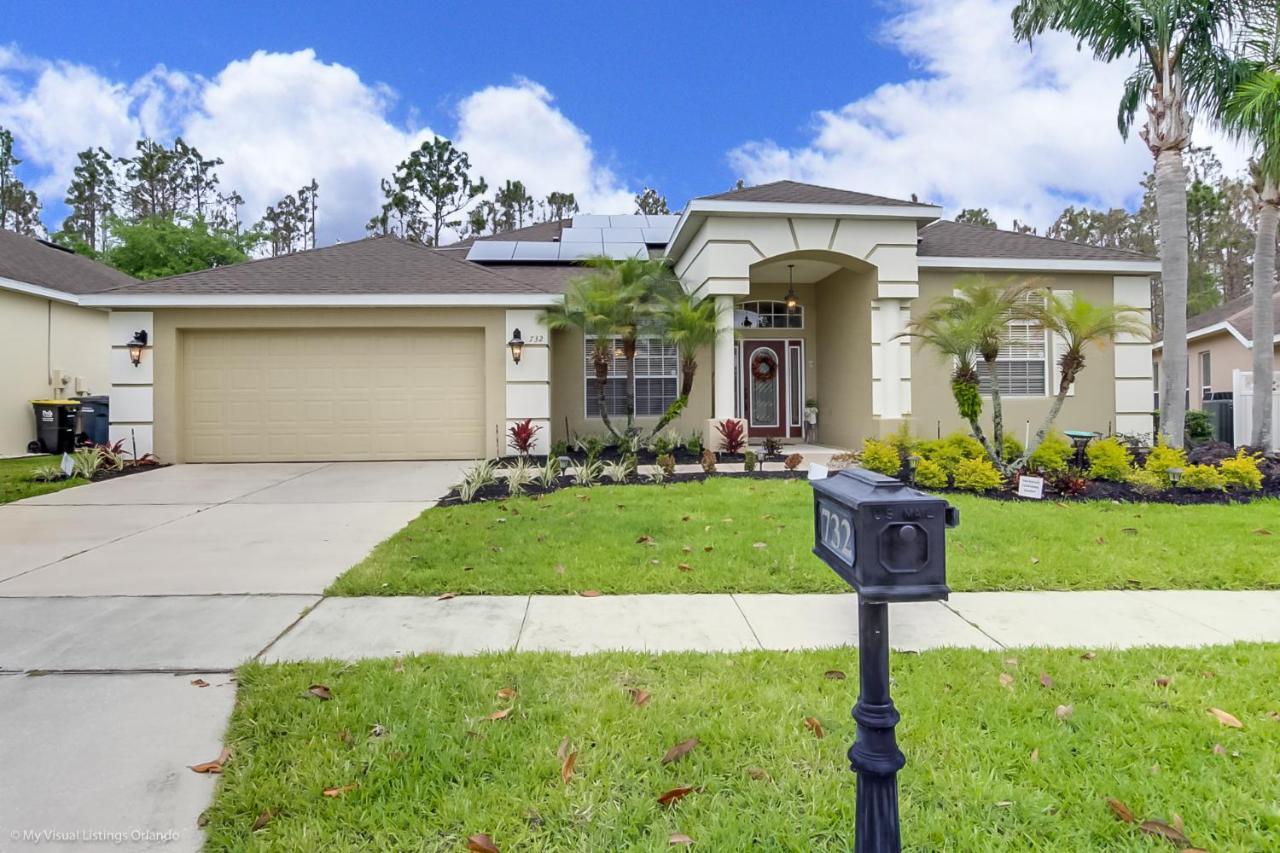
[31,261]
[947,239]
[795,192]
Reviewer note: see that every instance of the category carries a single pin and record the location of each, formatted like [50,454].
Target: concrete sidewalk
[355,628]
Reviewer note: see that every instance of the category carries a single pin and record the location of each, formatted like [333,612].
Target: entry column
[725,398]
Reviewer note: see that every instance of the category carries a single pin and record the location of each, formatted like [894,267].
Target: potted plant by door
[811,421]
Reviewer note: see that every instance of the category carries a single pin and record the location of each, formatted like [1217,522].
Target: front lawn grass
[417,764]
[16,482]
[737,535]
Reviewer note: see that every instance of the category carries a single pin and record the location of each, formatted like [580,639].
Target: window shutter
[1059,347]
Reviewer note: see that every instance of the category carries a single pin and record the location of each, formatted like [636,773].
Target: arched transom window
[768,314]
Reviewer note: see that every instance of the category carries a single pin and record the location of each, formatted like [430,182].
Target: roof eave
[700,208]
[319,300]
[40,291]
[1040,264]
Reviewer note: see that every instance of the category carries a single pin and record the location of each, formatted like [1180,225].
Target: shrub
[589,472]
[48,474]
[1198,426]
[1109,460]
[560,448]
[522,436]
[945,456]
[667,463]
[749,461]
[977,475]
[708,462]
[881,457]
[902,441]
[771,446]
[1053,454]
[1203,478]
[518,476]
[1012,448]
[483,473]
[546,476]
[930,475]
[1068,481]
[733,435]
[1148,483]
[619,472]
[694,444]
[1242,471]
[969,447]
[792,462]
[86,462]
[1163,457]
[663,444]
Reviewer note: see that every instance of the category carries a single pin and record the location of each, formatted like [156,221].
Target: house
[1220,356]
[383,349]
[51,346]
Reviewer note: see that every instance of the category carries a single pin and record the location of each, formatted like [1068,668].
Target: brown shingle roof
[540,232]
[794,192]
[1238,312]
[37,262]
[369,266]
[946,239]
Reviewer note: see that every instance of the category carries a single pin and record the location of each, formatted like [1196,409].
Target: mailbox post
[887,541]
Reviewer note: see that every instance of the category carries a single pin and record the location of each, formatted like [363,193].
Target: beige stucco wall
[170,323]
[37,336]
[844,354]
[1092,407]
[1226,355]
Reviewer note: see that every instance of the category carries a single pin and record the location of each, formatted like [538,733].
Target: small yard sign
[817,472]
[67,465]
[1031,487]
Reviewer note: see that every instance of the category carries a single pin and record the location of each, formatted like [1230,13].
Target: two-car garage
[278,395]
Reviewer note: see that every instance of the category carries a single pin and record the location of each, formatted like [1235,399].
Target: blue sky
[900,96]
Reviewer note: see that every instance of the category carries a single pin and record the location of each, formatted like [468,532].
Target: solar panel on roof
[579,251]
[581,235]
[621,251]
[630,220]
[590,220]
[491,250]
[623,235]
[657,236]
[533,250]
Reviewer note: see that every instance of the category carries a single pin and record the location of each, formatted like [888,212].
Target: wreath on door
[763,367]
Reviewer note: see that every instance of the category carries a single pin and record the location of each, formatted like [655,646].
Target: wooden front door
[764,387]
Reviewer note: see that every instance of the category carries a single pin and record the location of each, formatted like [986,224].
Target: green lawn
[16,483]
[755,536]
[989,767]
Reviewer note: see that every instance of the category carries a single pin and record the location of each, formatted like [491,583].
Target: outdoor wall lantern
[887,540]
[137,345]
[792,300]
[517,346]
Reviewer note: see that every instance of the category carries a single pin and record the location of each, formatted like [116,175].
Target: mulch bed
[1102,490]
[126,471]
[498,491]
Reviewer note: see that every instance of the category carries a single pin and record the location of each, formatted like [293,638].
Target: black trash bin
[56,425]
[94,422]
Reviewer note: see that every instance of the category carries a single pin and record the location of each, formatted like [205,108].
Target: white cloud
[986,123]
[280,119]
[514,133]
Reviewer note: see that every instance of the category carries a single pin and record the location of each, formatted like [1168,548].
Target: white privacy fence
[1242,396]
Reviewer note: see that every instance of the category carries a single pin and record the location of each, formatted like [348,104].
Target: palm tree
[1079,324]
[954,337]
[688,321]
[988,307]
[1181,65]
[1253,112]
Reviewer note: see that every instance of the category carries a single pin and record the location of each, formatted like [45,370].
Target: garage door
[332,394]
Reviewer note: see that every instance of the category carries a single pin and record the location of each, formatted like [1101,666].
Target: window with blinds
[657,378]
[1022,368]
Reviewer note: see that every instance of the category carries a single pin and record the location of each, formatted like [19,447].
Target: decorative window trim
[769,310]
[660,369]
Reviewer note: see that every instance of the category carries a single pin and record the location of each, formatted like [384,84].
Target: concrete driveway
[124,607]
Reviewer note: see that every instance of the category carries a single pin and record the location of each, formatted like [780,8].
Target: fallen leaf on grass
[686,549]
[1262,531]
[1046,681]
[1225,718]
[675,794]
[445,596]
[1132,531]
[563,752]
[566,769]
[1006,680]
[758,773]
[1122,812]
[645,540]
[481,843]
[680,750]
[1035,756]
[507,693]
[1162,682]
[199,682]
[1161,829]
[262,820]
[812,724]
[1065,711]
[684,567]
[679,839]
[399,665]
[639,697]
[1274,715]
[1004,804]
[833,675]
[1035,561]
[338,792]
[500,715]
[377,730]
[559,568]
[590,593]
[214,766]
[1088,656]
[321,692]
[1219,749]
[1010,661]
[759,545]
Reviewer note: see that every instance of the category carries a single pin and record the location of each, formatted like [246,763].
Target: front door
[764,378]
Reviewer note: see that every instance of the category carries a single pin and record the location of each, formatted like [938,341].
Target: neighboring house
[50,346]
[382,349]
[1219,343]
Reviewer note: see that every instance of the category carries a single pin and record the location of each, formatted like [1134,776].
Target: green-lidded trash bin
[56,425]
[94,419]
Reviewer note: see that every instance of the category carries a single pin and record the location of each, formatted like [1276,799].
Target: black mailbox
[883,537]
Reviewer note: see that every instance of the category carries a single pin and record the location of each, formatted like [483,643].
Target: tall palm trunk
[1264,279]
[1171,210]
[629,353]
[600,361]
[997,411]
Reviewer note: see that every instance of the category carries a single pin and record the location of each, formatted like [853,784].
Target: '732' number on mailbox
[835,531]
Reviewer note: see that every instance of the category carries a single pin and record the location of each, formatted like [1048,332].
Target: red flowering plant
[522,436]
[733,435]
